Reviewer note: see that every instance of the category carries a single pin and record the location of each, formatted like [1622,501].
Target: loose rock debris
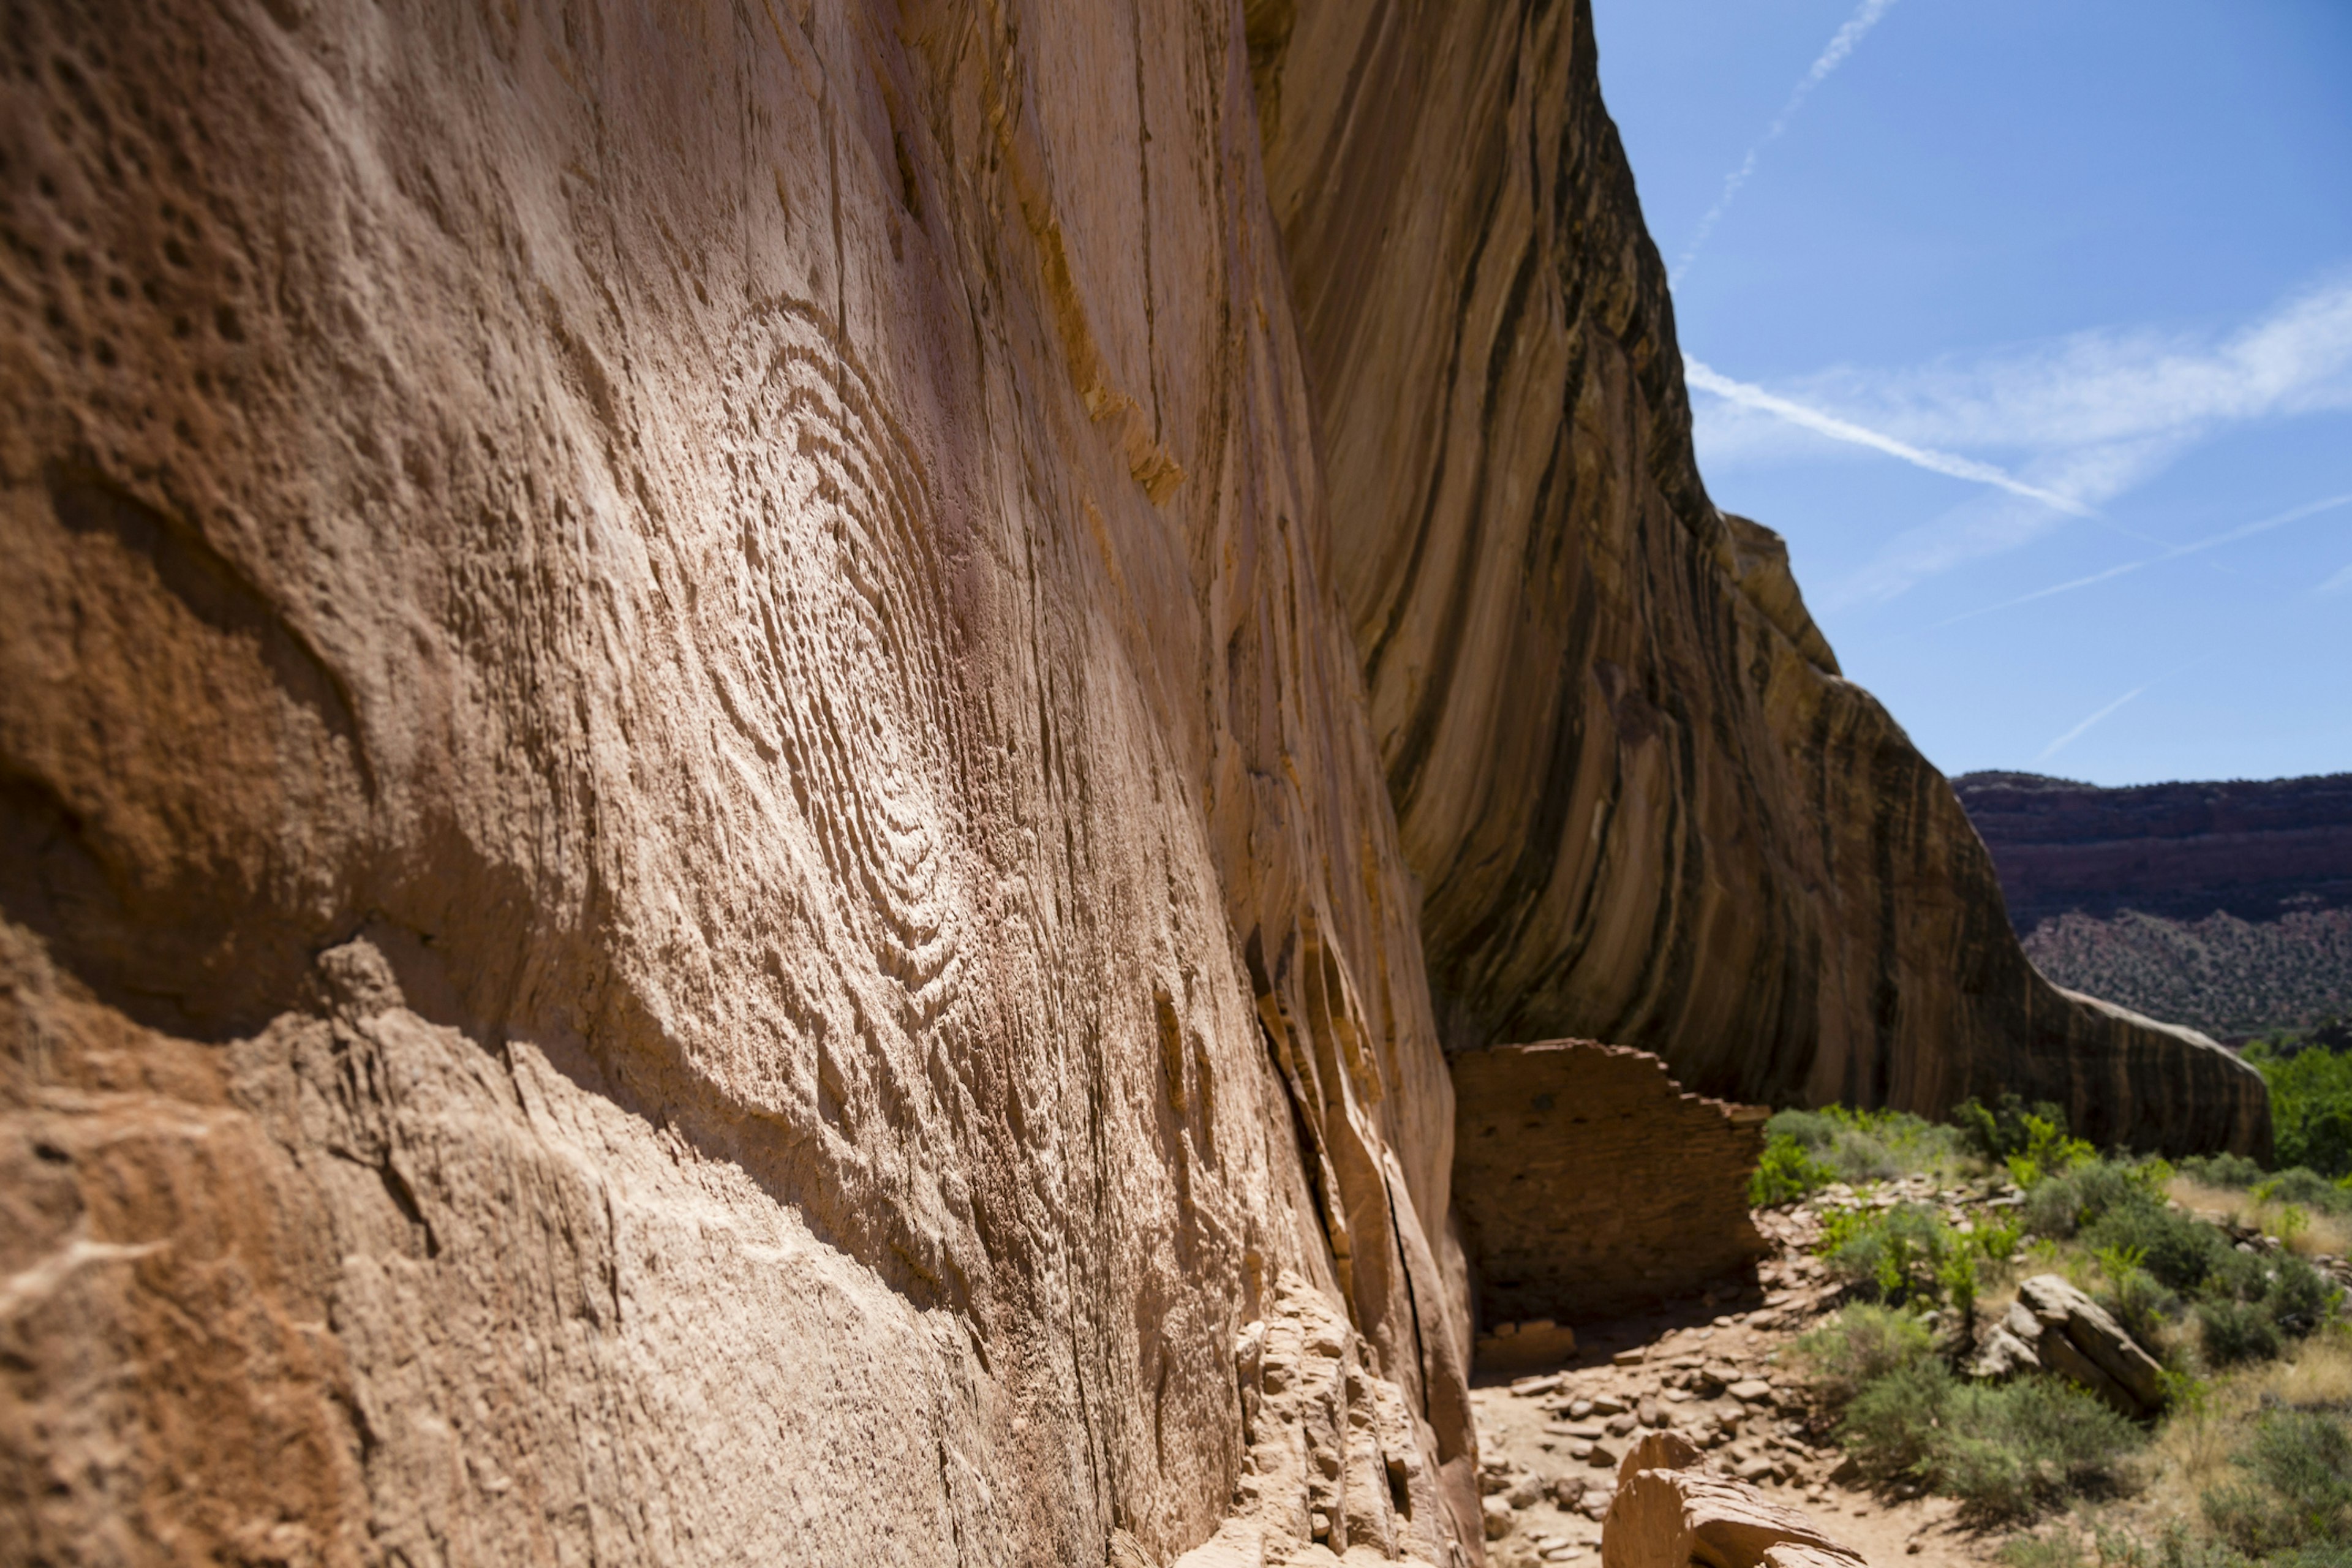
[1712,1374]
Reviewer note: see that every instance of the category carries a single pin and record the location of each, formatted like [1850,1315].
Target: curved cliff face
[1644,806]
[693,864]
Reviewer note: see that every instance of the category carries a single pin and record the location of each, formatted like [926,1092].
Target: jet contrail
[1842,45]
[2052,750]
[1813,419]
[2244,531]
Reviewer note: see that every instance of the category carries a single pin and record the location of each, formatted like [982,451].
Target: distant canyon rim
[755,764]
[2226,905]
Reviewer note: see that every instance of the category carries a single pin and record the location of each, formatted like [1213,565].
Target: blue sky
[2029,323]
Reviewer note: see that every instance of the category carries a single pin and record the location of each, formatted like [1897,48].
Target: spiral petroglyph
[826,629]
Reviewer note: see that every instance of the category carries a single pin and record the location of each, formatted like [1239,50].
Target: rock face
[695,858]
[2227,906]
[1643,804]
[1590,1185]
[693,869]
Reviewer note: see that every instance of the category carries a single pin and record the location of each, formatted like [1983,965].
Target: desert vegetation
[2220,1277]
[2231,977]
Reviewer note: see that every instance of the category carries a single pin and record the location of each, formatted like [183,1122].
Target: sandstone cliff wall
[697,861]
[693,864]
[1644,806]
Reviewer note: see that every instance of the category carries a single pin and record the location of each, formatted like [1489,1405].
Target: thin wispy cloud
[2074,735]
[2340,583]
[2089,417]
[1829,58]
[2196,547]
[1747,395]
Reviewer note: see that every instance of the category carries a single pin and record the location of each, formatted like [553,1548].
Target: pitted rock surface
[726,736]
[693,869]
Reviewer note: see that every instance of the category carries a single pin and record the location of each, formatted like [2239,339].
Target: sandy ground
[1709,1372]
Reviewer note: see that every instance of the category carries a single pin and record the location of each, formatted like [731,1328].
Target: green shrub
[1868,1145]
[1786,1172]
[2177,1250]
[2174,1547]
[2232,1331]
[2311,1106]
[2249,1302]
[2222,1169]
[2003,1449]
[2142,1305]
[2031,1140]
[1889,1428]
[2299,1297]
[2010,1128]
[2007,1449]
[2327,1554]
[2297,1494]
[1895,1256]
[1858,1346]
[1813,1130]
[2059,1205]
[1997,1241]
[2057,1550]
[2307,1188]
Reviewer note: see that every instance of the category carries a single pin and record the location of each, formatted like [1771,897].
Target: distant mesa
[2225,905]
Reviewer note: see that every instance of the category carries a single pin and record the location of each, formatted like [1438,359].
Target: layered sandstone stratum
[749,756]
[2223,905]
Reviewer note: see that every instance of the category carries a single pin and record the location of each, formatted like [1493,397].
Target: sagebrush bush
[2297,1491]
[2234,1171]
[1889,1428]
[1861,1344]
[2232,1331]
[2059,1205]
[2005,1450]
[1868,1145]
[2056,1550]
[2142,1304]
[2303,1185]
[2299,1297]
[2327,1554]
[2250,1303]
[2176,1249]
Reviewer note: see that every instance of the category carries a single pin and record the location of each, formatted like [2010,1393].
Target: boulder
[2061,1330]
[2001,1355]
[1670,1513]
